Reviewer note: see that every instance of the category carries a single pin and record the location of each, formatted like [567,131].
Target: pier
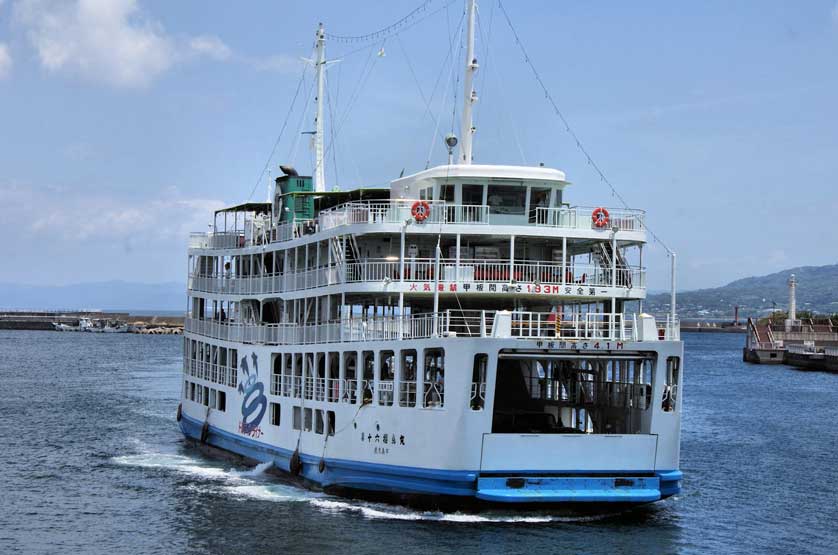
[44,320]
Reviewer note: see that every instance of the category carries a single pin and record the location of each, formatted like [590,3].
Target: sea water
[93,462]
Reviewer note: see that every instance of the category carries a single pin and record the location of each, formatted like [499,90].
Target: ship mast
[320,72]
[469,96]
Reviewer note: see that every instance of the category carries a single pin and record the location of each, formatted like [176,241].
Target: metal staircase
[602,255]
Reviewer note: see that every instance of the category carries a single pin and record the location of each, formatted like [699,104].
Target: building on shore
[793,340]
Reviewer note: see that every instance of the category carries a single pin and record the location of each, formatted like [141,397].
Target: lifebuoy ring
[600,217]
[420,210]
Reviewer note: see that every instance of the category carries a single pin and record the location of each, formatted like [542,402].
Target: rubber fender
[204,432]
[296,464]
[179,412]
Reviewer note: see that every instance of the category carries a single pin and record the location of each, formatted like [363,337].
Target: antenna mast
[320,71]
[469,96]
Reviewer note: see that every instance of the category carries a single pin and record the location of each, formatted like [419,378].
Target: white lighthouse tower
[791,320]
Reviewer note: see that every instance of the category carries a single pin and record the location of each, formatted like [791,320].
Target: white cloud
[210,46]
[5,59]
[60,214]
[107,40]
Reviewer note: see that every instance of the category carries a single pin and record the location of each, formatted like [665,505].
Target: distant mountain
[107,295]
[817,291]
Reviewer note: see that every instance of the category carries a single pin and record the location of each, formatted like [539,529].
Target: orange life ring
[420,210]
[600,217]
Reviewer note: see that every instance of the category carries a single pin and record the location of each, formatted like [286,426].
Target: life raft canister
[600,217]
[420,210]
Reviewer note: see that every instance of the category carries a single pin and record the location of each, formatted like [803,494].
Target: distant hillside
[108,295]
[817,291]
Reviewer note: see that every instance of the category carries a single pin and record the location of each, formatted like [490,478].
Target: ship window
[296,418]
[407,383]
[477,397]
[330,419]
[473,195]
[318,421]
[276,414]
[307,420]
[434,390]
[287,377]
[539,198]
[222,401]
[212,398]
[386,378]
[350,381]
[192,391]
[369,373]
[670,388]
[276,375]
[206,396]
[507,199]
[446,192]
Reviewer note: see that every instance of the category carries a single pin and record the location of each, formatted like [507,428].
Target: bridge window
[478,381]
[507,199]
[407,383]
[670,388]
[221,401]
[473,195]
[434,390]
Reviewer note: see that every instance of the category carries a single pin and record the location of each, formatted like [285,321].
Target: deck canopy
[257,207]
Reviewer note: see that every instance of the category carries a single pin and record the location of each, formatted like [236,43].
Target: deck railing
[451,323]
[400,211]
[580,217]
[421,270]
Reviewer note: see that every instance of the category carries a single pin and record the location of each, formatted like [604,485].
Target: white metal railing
[831,351]
[215,373]
[451,323]
[399,211]
[580,217]
[422,269]
[259,232]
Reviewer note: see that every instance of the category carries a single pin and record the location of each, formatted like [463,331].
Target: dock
[43,320]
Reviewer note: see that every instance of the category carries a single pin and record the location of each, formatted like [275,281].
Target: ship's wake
[208,478]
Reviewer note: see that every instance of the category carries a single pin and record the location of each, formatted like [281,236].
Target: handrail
[399,211]
[421,270]
[451,323]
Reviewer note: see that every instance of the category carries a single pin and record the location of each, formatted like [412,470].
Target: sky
[125,123]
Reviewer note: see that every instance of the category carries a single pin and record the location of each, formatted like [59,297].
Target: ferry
[462,337]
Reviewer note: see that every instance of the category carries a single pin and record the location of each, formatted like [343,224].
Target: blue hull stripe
[392,478]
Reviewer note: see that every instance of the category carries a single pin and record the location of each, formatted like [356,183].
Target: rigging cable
[398,26]
[281,131]
[452,42]
[567,127]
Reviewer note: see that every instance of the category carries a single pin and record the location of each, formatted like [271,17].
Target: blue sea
[92,462]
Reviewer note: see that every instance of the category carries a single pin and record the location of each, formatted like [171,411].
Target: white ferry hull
[414,453]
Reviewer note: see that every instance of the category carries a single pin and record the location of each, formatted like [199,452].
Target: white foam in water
[257,470]
[242,484]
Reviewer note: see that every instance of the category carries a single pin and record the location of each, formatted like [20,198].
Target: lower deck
[499,420]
